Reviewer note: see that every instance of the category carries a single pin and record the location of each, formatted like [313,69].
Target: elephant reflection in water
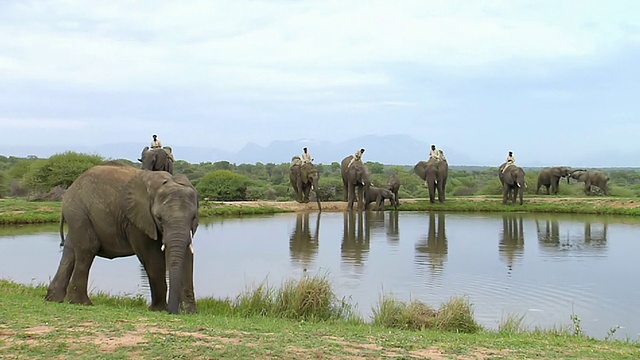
[433,249]
[393,231]
[511,245]
[549,235]
[303,246]
[355,239]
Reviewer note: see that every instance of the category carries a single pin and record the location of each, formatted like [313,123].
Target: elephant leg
[361,204]
[505,194]
[77,291]
[441,193]
[350,196]
[57,290]
[432,191]
[345,188]
[307,190]
[152,259]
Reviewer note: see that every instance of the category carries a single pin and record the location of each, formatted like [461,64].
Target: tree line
[224,181]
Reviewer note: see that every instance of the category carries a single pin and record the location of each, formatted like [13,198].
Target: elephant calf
[378,195]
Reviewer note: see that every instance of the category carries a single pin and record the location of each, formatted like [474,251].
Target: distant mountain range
[387,149]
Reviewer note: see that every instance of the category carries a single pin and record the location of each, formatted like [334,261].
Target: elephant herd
[434,172]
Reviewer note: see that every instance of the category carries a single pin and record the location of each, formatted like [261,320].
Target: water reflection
[432,250]
[511,244]
[355,239]
[303,246]
[587,236]
[393,230]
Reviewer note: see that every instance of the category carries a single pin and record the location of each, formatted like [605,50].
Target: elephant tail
[62,230]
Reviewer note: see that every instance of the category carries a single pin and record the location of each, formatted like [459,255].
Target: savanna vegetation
[301,319]
[223,181]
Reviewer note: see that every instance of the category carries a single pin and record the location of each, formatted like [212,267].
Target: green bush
[223,185]
[59,170]
[4,184]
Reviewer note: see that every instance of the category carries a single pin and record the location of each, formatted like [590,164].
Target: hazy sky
[483,77]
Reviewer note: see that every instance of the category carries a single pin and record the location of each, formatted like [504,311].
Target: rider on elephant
[306,156]
[511,160]
[434,153]
[357,156]
[155,143]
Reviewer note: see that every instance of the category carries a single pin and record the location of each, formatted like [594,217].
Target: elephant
[590,177]
[157,159]
[394,185]
[513,182]
[378,195]
[549,177]
[303,178]
[355,176]
[434,172]
[116,210]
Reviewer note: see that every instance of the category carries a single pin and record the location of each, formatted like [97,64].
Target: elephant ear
[138,201]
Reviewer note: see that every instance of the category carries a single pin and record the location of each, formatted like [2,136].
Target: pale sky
[541,78]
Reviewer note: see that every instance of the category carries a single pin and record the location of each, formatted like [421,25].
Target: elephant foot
[158,307]
[79,299]
[189,308]
[55,295]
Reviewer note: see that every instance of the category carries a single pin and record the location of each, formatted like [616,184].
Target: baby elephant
[378,195]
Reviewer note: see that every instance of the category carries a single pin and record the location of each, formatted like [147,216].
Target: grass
[567,205]
[15,211]
[122,328]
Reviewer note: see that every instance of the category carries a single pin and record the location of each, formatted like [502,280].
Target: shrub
[59,170]
[455,315]
[223,185]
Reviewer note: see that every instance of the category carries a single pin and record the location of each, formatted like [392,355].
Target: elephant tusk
[518,184]
[162,247]
[191,247]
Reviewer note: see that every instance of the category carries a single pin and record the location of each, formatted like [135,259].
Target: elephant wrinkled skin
[435,173]
[378,195]
[355,176]
[115,210]
[303,178]
[156,159]
[550,178]
[513,183]
[589,178]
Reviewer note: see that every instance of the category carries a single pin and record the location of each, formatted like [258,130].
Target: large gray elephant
[435,173]
[116,210]
[513,182]
[303,178]
[157,159]
[393,185]
[378,195]
[590,178]
[549,177]
[355,176]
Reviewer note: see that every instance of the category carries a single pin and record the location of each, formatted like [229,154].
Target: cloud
[281,45]
[42,124]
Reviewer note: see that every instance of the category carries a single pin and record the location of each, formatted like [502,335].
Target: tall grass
[456,315]
[308,298]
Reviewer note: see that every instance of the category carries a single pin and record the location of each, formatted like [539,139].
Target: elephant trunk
[315,189]
[177,245]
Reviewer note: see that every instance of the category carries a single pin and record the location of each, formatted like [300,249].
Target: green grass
[122,328]
[567,205]
[20,211]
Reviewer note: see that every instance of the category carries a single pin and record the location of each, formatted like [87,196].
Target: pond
[545,267]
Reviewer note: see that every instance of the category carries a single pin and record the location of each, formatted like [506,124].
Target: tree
[59,170]
[223,185]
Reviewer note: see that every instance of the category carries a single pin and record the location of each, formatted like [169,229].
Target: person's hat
[305,149]
[154,135]
[361,150]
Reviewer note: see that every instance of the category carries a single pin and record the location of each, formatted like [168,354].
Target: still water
[545,267]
